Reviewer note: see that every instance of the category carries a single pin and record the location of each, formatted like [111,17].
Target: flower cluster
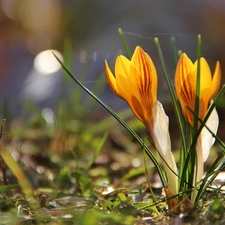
[136,82]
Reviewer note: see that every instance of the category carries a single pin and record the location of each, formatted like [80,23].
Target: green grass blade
[148,179]
[197,95]
[209,178]
[204,184]
[212,168]
[174,52]
[7,188]
[175,102]
[193,159]
[18,173]
[125,43]
[138,139]
[176,106]
[97,151]
[76,160]
[216,100]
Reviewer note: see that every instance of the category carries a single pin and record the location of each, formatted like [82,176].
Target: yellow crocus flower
[185,83]
[136,82]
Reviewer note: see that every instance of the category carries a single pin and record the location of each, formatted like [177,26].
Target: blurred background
[54,130]
[84,33]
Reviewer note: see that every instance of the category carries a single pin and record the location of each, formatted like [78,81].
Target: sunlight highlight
[46,63]
[48,115]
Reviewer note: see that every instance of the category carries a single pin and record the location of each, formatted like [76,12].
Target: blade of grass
[214,167]
[175,60]
[125,43]
[18,173]
[7,188]
[216,100]
[197,95]
[148,180]
[97,151]
[207,182]
[194,161]
[76,160]
[174,52]
[176,106]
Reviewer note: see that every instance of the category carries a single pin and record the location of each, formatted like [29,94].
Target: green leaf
[216,210]
[18,172]
[116,205]
[147,206]
[122,197]
[6,188]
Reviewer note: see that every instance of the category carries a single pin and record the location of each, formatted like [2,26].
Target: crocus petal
[204,144]
[137,83]
[124,80]
[127,79]
[111,79]
[146,69]
[145,76]
[185,82]
[160,130]
[205,74]
[205,139]
[160,136]
[216,81]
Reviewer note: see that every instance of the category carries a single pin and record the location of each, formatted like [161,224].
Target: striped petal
[111,79]
[136,82]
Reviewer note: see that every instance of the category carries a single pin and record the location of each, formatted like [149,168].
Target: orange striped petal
[146,80]
[125,82]
[126,78]
[144,66]
[111,80]
[216,81]
[205,74]
[185,81]
[136,82]
[205,87]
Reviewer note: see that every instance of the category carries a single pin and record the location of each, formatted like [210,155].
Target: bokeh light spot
[48,115]
[46,63]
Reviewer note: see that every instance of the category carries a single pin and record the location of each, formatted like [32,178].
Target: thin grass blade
[179,115]
[18,173]
[125,43]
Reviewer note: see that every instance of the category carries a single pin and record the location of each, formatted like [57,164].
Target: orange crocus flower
[136,82]
[185,83]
